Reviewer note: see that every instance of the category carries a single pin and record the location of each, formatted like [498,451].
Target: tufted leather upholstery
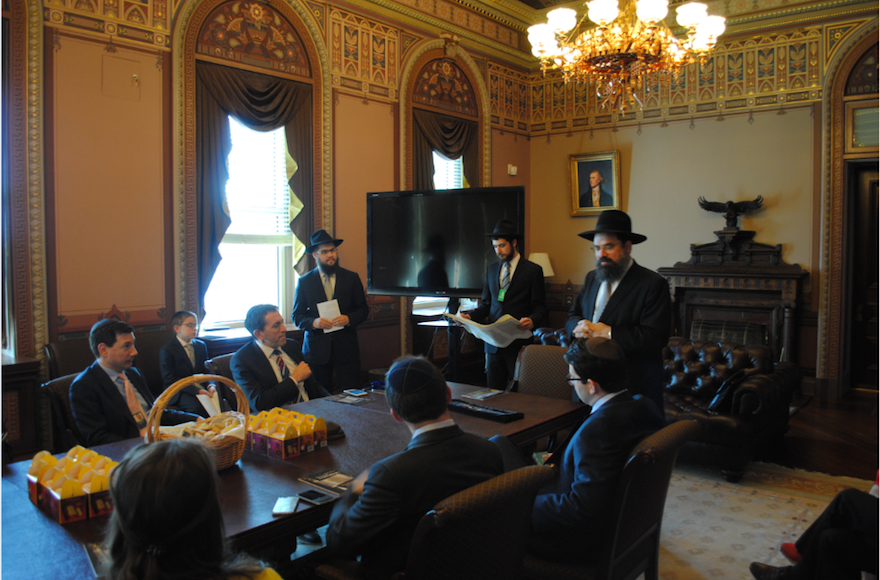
[696,370]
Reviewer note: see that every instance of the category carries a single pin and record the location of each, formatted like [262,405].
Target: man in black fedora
[336,350]
[512,286]
[626,302]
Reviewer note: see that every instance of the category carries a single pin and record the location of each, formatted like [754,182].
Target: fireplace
[736,290]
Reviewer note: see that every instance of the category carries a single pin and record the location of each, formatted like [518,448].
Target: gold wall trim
[29,166]
[453,50]
[832,285]
[190,17]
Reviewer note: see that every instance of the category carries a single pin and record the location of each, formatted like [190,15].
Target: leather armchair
[753,414]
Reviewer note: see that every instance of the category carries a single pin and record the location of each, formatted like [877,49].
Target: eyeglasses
[606,247]
[324,252]
[191,325]
[572,380]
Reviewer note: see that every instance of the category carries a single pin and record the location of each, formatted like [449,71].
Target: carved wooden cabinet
[739,283]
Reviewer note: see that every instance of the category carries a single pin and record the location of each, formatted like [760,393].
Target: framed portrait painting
[595,182]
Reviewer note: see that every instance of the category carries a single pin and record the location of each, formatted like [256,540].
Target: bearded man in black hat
[336,350]
[626,302]
[512,286]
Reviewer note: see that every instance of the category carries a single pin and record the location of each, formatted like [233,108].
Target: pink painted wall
[109,179]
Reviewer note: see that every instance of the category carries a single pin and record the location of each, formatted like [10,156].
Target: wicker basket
[227,450]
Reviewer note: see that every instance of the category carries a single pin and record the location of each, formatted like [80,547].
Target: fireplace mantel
[737,280]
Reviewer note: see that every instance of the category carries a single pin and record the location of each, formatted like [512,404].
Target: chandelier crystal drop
[628,50]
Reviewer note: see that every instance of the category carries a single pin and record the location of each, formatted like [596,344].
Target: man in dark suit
[378,516]
[110,399]
[626,302]
[337,350]
[571,516]
[840,544]
[185,356]
[596,195]
[512,286]
[270,368]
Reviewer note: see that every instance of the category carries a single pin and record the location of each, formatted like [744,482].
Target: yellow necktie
[137,411]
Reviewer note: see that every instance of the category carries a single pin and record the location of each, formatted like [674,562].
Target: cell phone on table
[315,497]
[285,505]
[356,392]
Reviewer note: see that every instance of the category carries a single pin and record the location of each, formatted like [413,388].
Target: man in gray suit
[378,516]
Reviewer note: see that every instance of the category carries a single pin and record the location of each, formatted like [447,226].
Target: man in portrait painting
[596,195]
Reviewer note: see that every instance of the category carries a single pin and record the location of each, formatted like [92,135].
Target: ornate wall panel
[27,207]
[364,55]
[833,326]
[144,22]
[254,34]
[509,97]
[443,85]
[764,72]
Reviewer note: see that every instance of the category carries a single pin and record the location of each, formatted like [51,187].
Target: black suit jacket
[100,410]
[174,364]
[379,523]
[570,516]
[586,198]
[639,314]
[349,292]
[524,298]
[255,374]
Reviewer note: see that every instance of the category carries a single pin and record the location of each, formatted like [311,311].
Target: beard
[609,270]
[327,269]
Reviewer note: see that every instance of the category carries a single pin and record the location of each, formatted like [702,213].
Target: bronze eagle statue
[731,210]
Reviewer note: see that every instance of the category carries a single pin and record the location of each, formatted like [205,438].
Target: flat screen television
[433,242]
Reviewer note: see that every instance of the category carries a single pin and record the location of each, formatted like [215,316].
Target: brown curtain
[450,136]
[262,103]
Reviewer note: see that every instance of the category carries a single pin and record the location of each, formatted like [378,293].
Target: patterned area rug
[714,529]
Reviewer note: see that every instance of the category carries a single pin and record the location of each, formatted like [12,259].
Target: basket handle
[155,419]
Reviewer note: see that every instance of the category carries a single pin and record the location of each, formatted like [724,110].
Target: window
[447,173]
[257,250]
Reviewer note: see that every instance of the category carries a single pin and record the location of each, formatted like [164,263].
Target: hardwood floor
[837,437]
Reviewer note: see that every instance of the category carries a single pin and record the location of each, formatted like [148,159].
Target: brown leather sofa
[753,414]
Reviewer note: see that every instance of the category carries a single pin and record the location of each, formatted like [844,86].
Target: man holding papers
[513,286]
[329,304]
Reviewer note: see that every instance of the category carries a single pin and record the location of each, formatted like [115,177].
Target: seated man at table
[110,399]
[378,516]
[570,515]
[270,368]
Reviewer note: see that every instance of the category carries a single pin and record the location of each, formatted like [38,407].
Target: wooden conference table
[34,546]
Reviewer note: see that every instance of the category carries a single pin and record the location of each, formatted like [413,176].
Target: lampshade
[543,260]
[603,11]
[690,15]
[712,27]
[562,19]
[652,10]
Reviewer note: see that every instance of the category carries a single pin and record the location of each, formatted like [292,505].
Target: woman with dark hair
[166,521]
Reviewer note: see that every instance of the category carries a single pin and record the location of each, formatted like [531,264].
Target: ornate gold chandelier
[628,50]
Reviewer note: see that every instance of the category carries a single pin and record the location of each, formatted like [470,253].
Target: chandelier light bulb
[713,26]
[652,11]
[562,19]
[690,15]
[602,11]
